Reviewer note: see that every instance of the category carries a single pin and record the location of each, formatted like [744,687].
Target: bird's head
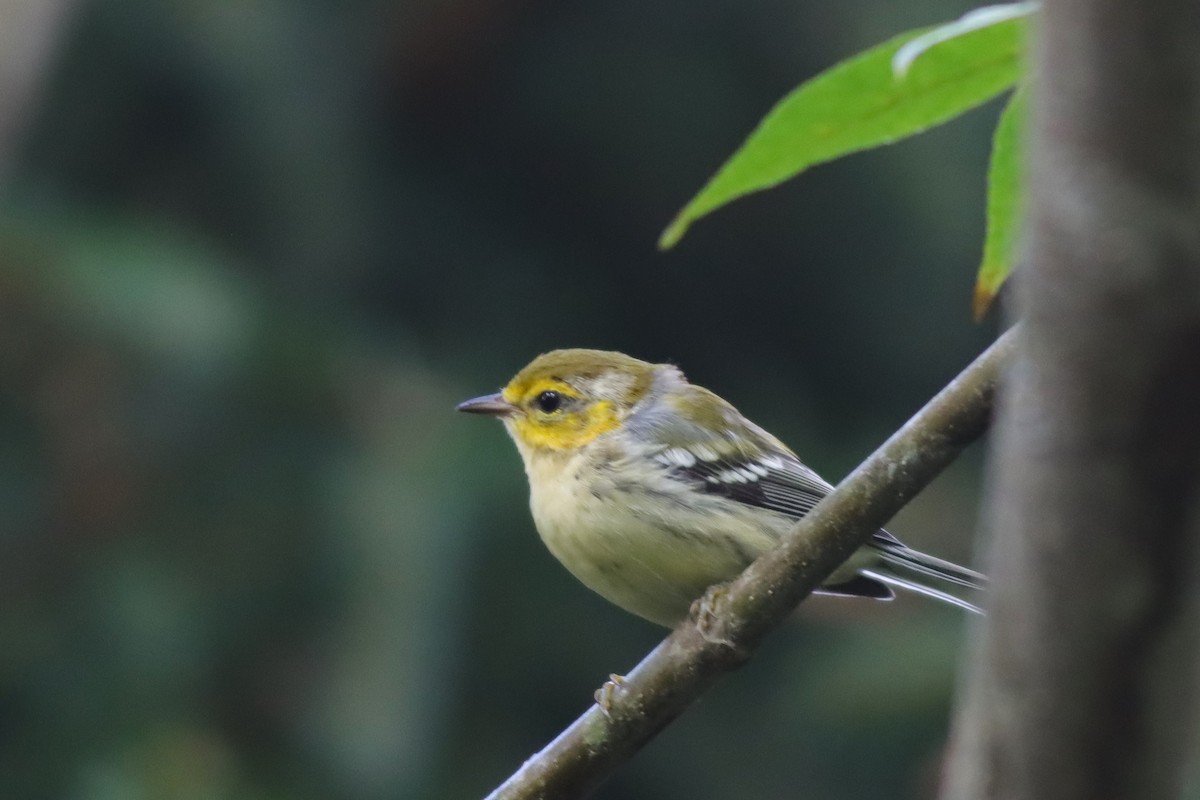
[564,399]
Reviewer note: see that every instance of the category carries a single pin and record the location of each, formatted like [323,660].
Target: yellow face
[564,399]
[551,414]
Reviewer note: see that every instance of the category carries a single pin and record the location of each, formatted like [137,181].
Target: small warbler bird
[650,489]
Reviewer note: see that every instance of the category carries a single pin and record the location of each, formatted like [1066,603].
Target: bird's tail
[905,568]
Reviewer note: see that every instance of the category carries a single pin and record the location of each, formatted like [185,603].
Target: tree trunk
[1082,678]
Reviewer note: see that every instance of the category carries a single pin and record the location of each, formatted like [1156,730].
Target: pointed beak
[493,405]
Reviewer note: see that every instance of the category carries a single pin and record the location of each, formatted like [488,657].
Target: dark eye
[548,402]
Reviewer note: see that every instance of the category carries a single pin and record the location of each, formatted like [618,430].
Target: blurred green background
[252,253]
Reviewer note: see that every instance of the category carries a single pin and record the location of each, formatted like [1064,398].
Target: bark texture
[1082,681]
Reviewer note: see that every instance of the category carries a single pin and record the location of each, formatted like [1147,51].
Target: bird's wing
[773,481]
[703,439]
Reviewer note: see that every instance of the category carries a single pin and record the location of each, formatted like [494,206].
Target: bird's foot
[706,612]
[605,694]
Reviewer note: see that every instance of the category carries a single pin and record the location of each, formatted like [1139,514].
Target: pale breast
[651,552]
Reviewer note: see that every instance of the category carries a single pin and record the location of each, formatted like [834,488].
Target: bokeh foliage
[250,256]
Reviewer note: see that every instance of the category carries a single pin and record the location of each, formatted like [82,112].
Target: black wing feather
[776,483]
[782,484]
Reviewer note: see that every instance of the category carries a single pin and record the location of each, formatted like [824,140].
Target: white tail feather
[920,588]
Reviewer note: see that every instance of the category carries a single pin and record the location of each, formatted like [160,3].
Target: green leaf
[971,21]
[860,103]
[1004,204]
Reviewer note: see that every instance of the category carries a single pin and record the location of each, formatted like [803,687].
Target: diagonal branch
[735,617]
